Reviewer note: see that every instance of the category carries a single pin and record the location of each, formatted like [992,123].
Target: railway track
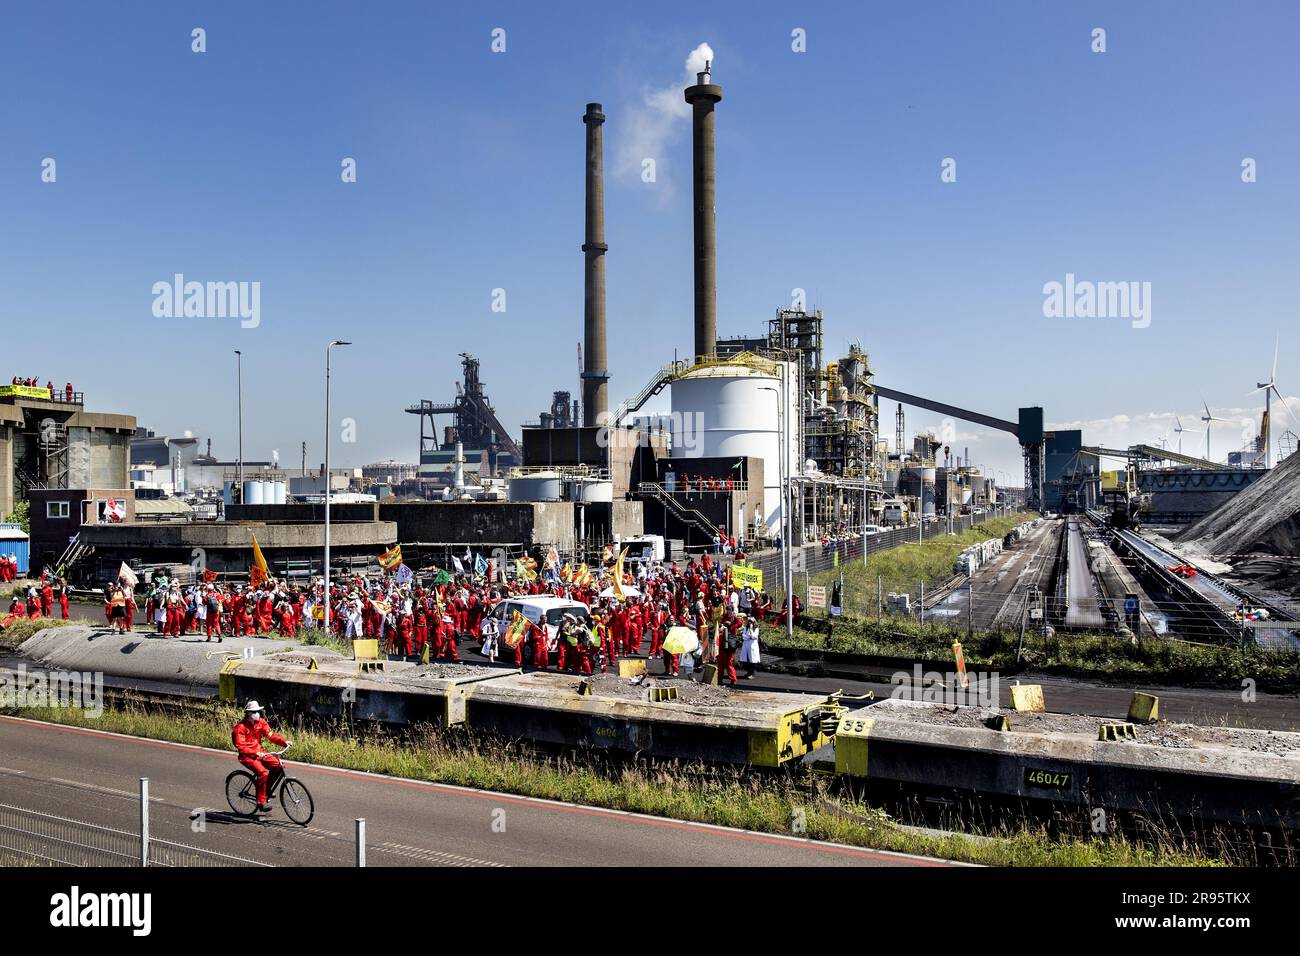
[1208,600]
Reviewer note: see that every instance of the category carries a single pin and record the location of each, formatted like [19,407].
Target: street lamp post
[239,379]
[326,619]
[787,525]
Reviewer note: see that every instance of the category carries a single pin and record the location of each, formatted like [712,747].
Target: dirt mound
[1263,519]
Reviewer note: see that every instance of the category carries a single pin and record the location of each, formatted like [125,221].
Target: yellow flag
[257,573]
[618,575]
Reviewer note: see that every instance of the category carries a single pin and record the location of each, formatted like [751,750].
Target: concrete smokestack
[595,376]
[703,96]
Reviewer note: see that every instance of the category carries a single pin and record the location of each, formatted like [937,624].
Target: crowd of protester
[426,617]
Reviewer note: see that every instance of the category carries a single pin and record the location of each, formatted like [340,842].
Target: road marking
[440,857]
[803,843]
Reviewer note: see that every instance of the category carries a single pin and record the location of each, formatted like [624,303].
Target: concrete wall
[434,523]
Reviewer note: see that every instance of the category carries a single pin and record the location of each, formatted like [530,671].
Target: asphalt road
[92,776]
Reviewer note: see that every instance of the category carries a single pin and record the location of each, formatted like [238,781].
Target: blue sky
[225,166]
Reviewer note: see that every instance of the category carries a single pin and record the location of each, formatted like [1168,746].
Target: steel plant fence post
[879,595]
[144,821]
[361,841]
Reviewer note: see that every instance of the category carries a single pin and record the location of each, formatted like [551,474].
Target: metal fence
[66,842]
[815,558]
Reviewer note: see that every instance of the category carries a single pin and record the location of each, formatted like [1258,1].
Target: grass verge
[724,796]
[20,630]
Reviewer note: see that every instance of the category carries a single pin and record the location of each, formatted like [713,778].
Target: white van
[538,608]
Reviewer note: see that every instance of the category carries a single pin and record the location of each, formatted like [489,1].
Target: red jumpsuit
[248,741]
[541,656]
[445,641]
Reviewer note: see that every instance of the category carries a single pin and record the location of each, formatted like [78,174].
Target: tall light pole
[326,619]
[239,379]
[787,573]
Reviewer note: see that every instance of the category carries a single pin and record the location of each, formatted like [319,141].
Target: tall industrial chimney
[703,96]
[595,375]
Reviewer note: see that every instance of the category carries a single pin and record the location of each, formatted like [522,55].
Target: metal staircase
[657,383]
[74,552]
[690,517]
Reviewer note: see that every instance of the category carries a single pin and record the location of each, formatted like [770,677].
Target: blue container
[13,540]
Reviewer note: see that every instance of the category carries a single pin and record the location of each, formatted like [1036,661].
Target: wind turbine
[1208,418]
[1269,389]
[1178,430]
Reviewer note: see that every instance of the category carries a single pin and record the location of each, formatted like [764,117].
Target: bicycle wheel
[241,793]
[296,800]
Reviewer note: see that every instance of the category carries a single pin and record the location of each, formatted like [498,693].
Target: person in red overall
[404,632]
[419,627]
[537,634]
[732,626]
[445,638]
[47,599]
[17,608]
[212,624]
[285,610]
[247,737]
[63,599]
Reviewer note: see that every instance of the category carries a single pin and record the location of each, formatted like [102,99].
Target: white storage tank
[278,492]
[253,493]
[928,479]
[728,411]
[589,490]
[541,486]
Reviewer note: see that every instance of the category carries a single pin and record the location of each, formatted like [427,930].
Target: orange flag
[257,573]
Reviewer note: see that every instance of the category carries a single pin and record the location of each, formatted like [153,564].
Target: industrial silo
[730,410]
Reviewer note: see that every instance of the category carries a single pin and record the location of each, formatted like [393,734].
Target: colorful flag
[257,573]
[126,575]
[523,571]
[390,558]
[514,635]
[552,558]
[442,577]
[460,568]
[403,574]
[480,565]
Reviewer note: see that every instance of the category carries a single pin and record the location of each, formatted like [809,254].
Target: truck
[894,514]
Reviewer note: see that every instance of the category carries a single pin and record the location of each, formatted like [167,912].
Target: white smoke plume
[655,123]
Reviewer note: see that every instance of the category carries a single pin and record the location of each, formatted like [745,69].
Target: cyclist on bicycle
[247,737]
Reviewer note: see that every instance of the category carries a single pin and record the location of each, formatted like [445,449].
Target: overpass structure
[1028,430]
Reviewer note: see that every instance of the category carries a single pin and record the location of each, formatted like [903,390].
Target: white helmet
[252,707]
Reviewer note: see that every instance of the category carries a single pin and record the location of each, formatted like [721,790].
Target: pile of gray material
[445,670]
[688,692]
[1263,519]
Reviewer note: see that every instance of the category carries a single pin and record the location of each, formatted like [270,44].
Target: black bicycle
[295,798]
